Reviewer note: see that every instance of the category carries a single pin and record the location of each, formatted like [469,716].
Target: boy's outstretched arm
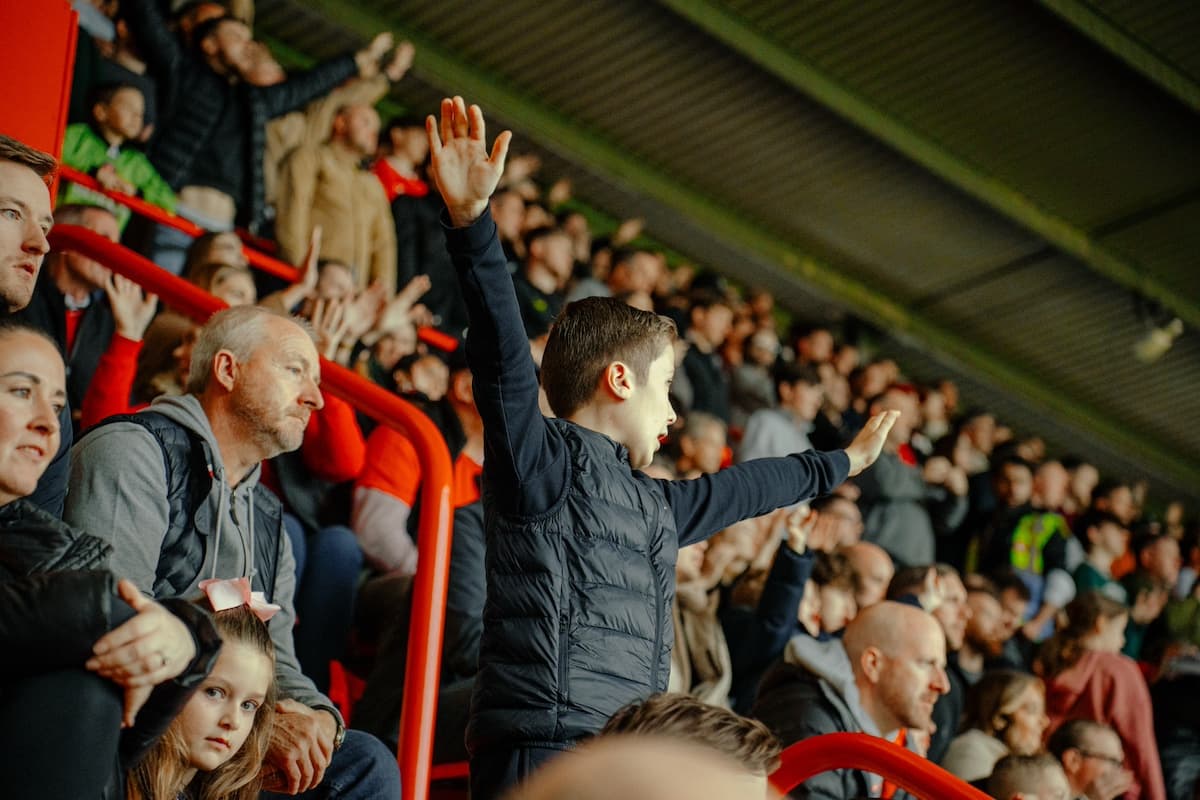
[526,472]
[713,502]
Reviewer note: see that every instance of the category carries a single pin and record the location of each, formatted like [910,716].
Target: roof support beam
[590,149]
[1093,24]
[759,48]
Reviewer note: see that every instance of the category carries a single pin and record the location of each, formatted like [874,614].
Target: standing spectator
[326,185]
[69,302]
[1093,759]
[899,507]
[209,142]
[1084,478]
[702,445]
[1106,540]
[543,276]
[1005,713]
[884,681]
[1149,588]
[813,344]
[99,149]
[785,428]
[751,385]
[711,319]
[176,490]
[1088,678]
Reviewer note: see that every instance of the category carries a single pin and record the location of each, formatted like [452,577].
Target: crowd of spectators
[1005,612]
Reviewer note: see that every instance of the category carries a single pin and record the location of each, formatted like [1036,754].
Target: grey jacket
[118,492]
[902,514]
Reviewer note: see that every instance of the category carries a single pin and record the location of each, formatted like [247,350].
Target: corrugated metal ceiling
[1007,88]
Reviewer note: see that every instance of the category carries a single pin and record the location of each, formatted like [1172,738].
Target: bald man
[645,768]
[883,678]
[873,571]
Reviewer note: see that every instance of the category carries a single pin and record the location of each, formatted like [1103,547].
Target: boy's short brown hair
[589,335]
[20,153]
[679,716]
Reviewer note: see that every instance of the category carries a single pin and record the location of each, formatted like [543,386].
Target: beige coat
[700,661]
[326,186]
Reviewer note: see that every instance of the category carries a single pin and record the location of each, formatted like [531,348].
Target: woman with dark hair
[1087,677]
[1005,714]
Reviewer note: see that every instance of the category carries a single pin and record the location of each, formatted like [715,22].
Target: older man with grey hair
[175,490]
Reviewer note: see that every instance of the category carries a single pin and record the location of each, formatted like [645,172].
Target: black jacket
[192,99]
[581,548]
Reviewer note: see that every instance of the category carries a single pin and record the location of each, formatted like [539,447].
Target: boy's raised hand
[869,443]
[465,174]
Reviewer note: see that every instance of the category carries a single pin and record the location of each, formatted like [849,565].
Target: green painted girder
[590,149]
[1093,24]
[1009,201]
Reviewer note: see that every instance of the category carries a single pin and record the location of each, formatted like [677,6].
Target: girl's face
[216,721]
[32,392]
[837,608]
[1111,634]
[809,613]
[1027,722]
[234,287]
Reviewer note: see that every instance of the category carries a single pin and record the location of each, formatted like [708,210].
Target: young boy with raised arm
[581,545]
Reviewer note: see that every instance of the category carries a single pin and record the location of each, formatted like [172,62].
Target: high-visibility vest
[1030,537]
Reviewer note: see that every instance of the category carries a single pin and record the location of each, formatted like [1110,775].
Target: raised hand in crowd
[465,173]
[370,58]
[933,591]
[107,177]
[401,61]
[938,471]
[364,311]
[288,298]
[301,748]
[868,444]
[152,647]
[1148,604]
[330,325]
[131,309]
[400,309]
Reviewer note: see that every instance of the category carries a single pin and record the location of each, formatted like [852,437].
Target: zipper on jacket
[658,599]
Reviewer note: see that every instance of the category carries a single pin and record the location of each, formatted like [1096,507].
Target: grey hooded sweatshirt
[118,492]
[812,692]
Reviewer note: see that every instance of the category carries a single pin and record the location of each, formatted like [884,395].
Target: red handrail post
[415,752]
[906,769]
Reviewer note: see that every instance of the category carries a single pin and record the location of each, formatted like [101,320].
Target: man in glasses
[1093,758]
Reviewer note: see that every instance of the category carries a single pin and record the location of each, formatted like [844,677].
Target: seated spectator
[900,509]
[215,746]
[1093,760]
[1106,540]
[784,429]
[1149,587]
[186,470]
[702,445]
[833,583]
[326,185]
[1037,777]
[986,633]
[99,149]
[873,568]
[710,319]
[882,678]
[74,637]
[542,278]
[940,590]
[1005,713]
[746,741]
[701,666]
[69,303]
[1088,678]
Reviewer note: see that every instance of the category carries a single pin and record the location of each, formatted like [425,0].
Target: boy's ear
[618,380]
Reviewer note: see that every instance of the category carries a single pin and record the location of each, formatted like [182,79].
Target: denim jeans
[328,564]
[362,770]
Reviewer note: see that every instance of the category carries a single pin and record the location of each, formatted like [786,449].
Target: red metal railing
[434,530]
[906,769]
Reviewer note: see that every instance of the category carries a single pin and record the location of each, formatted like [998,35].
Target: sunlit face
[124,114]
[647,413]
[32,393]
[837,608]
[1027,721]
[25,219]
[706,449]
[276,389]
[335,282]
[220,716]
[809,612]
[873,571]
[1111,632]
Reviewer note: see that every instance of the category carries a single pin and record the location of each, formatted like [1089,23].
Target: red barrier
[906,769]
[434,528]
[257,259]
